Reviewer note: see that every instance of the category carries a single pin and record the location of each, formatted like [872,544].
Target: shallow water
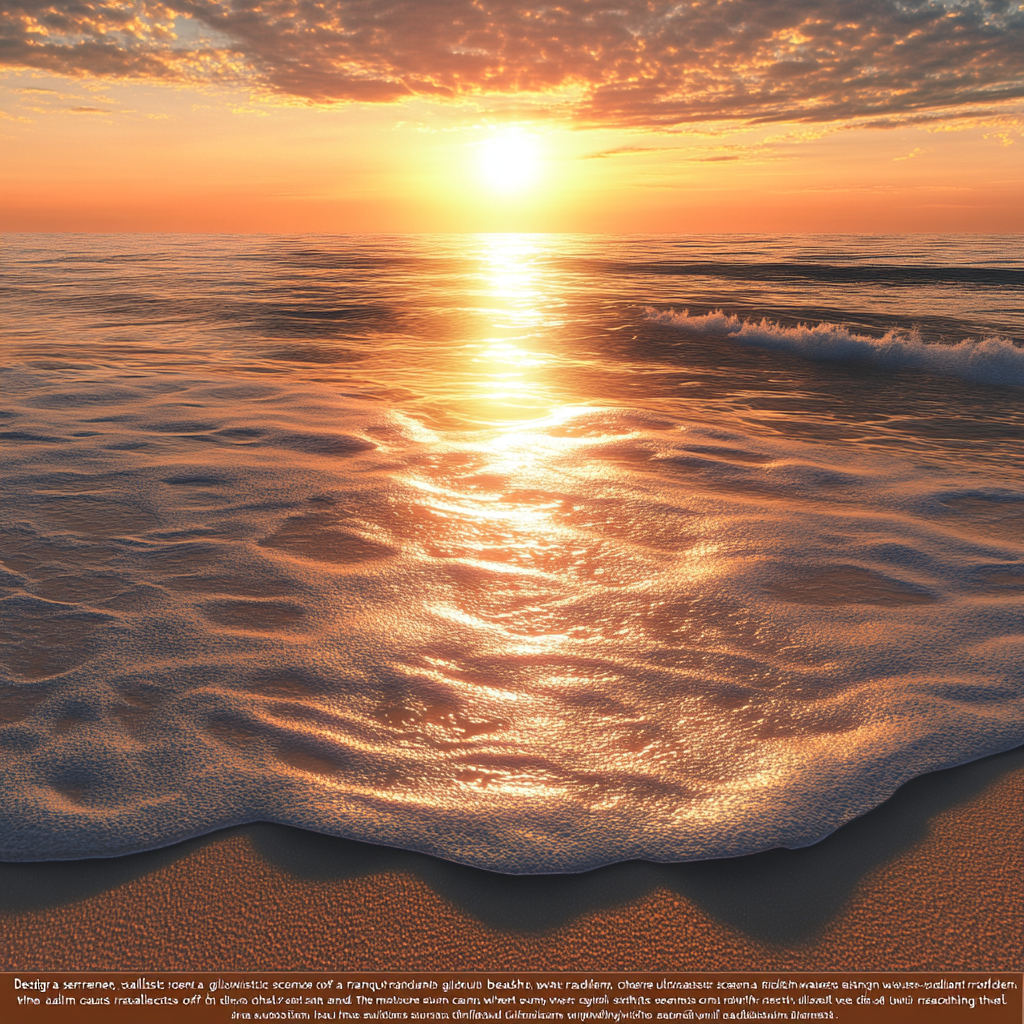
[509,549]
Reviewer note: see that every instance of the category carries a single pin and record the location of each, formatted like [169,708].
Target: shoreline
[933,879]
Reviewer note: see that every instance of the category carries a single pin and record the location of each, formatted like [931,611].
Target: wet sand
[932,879]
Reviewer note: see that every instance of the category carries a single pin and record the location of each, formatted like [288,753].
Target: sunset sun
[510,162]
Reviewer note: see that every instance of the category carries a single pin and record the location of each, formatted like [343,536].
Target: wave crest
[993,360]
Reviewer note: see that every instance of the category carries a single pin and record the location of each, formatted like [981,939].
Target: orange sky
[359,116]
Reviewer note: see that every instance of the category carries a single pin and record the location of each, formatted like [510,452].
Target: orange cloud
[628,63]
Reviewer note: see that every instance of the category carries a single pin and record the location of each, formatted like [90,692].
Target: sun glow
[510,162]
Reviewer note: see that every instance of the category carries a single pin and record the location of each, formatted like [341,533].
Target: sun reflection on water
[547,562]
[512,362]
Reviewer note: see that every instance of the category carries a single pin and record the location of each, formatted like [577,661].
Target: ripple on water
[596,636]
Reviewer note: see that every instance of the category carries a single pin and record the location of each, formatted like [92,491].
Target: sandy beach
[933,879]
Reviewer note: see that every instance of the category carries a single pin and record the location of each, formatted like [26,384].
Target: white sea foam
[992,360]
[600,635]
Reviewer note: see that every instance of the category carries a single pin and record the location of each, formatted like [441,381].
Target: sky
[626,116]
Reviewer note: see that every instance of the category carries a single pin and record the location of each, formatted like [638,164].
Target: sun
[510,162]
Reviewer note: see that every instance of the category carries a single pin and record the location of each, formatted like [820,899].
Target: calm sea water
[530,552]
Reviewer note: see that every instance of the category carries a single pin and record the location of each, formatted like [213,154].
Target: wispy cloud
[628,63]
[604,154]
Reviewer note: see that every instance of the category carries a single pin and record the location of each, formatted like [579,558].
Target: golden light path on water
[511,359]
[507,513]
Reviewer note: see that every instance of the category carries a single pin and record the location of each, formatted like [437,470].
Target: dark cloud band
[624,62]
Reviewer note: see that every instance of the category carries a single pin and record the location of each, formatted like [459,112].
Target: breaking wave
[992,360]
[599,636]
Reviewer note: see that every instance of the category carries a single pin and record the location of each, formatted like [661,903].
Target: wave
[598,636]
[993,360]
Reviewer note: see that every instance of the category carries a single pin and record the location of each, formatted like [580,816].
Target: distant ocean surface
[533,553]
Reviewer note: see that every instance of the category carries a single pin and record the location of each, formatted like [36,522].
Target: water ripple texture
[463,549]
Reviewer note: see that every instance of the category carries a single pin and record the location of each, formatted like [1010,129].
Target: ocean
[531,552]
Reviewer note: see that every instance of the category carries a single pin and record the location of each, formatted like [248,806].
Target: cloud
[636,63]
[761,152]
[913,154]
[604,154]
